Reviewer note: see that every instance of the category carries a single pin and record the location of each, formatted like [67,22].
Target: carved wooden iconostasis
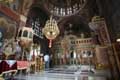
[80,47]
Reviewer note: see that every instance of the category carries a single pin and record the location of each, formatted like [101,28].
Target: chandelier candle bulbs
[51,30]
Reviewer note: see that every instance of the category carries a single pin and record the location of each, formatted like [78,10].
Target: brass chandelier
[51,30]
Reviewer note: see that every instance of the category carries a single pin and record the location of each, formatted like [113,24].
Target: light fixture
[118,37]
[118,40]
[51,30]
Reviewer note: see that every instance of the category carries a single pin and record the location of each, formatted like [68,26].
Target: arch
[79,25]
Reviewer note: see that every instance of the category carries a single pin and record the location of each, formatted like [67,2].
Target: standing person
[46,60]
[71,58]
[74,57]
[51,61]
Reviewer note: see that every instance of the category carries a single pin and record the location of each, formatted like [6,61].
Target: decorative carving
[102,57]
[99,26]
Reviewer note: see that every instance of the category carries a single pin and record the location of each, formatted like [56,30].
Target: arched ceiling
[78,16]
[37,17]
[74,25]
[37,12]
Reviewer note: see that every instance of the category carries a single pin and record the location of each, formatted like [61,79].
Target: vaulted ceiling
[84,9]
[66,12]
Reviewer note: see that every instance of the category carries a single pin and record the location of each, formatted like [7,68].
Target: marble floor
[64,73]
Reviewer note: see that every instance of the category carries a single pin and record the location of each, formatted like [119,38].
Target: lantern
[51,30]
[25,36]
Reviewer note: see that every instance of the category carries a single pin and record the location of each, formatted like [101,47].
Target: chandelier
[51,30]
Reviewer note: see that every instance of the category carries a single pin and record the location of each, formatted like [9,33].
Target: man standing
[46,60]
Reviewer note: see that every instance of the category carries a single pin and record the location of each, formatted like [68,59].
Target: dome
[65,7]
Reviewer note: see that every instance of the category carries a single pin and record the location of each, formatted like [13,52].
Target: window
[30,35]
[25,33]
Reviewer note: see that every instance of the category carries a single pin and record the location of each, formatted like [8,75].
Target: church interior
[59,40]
